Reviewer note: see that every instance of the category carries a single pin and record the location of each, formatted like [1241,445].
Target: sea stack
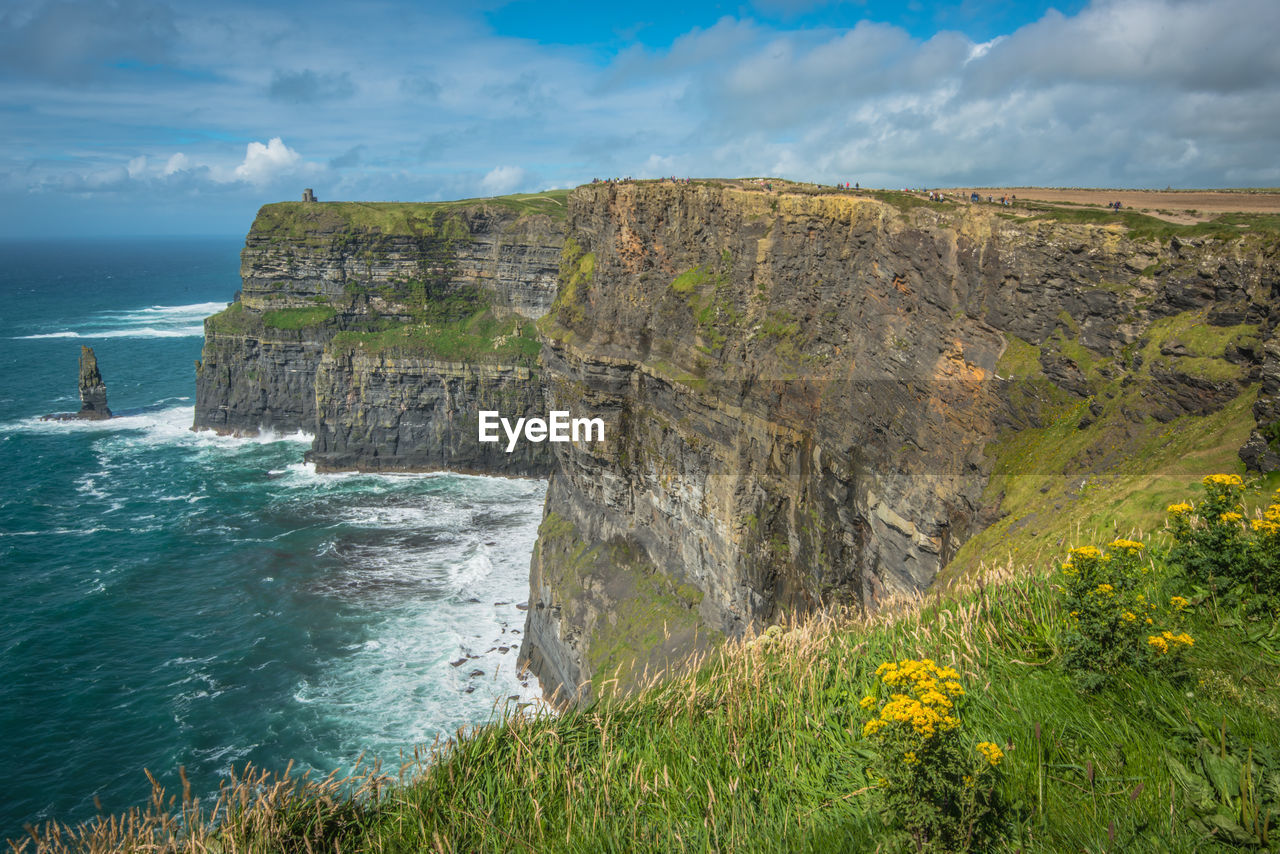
[93,391]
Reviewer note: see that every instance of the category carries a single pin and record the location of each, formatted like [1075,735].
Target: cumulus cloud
[415,103]
[503,179]
[264,163]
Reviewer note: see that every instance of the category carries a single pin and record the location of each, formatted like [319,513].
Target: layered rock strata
[93,392]
[382,328]
[800,392]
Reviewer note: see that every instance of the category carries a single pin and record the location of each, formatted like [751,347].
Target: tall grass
[758,747]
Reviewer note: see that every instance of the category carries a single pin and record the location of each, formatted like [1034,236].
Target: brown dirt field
[1184,206]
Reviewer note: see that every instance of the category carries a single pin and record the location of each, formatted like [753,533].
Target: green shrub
[1108,611]
[935,787]
[1211,543]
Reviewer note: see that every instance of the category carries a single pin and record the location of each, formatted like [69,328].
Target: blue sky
[166,116]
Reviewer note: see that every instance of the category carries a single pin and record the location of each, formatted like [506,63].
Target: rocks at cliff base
[93,392]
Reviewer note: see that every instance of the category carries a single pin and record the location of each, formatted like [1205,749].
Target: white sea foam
[133,332]
[444,594]
[168,426]
[157,321]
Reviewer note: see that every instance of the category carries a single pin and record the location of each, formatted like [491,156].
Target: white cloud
[503,179]
[264,163]
[176,163]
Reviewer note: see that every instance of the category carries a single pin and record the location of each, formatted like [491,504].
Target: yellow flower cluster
[927,705]
[1223,480]
[1087,552]
[1179,509]
[1230,517]
[1265,526]
[1130,617]
[1130,545]
[990,752]
[1104,590]
[1165,641]
[1179,602]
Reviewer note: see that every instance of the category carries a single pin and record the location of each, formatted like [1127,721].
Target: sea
[176,599]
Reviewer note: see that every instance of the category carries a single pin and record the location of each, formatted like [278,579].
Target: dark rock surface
[799,391]
[93,392]
[264,369]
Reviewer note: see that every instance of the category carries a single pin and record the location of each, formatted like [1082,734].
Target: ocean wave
[157,321]
[195,310]
[153,426]
[133,332]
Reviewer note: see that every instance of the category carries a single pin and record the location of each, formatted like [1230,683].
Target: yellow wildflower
[1158,643]
[1130,617]
[867,702]
[909,757]
[1086,551]
[872,727]
[1265,526]
[1230,517]
[990,752]
[1223,480]
[1104,590]
[1178,509]
[1179,602]
[1129,545]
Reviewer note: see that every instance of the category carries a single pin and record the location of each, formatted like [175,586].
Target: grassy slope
[297,218]
[1055,481]
[763,752]
[760,749]
[479,338]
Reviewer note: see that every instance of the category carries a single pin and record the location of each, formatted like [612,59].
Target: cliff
[810,398]
[815,398]
[382,327]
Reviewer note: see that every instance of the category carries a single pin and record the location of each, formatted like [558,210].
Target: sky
[172,117]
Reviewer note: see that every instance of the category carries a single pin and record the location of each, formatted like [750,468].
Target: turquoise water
[174,598]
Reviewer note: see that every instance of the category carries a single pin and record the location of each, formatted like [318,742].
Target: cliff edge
[818,398]
[382,329]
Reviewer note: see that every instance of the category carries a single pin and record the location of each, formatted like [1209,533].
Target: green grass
[482,337]
[1053,478]
[235,319]
[298,318]
[297,219]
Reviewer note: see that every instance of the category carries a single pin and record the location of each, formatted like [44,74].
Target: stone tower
[308,196]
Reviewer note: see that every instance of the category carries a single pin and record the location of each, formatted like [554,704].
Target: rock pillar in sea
[93,391]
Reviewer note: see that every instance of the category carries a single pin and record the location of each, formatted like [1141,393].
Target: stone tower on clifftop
[308,196]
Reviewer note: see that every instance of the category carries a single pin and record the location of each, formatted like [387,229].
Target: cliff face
[802,395]
[395,413]
[382,328]
[810,399]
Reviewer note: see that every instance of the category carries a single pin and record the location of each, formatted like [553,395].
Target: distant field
[1184,206]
